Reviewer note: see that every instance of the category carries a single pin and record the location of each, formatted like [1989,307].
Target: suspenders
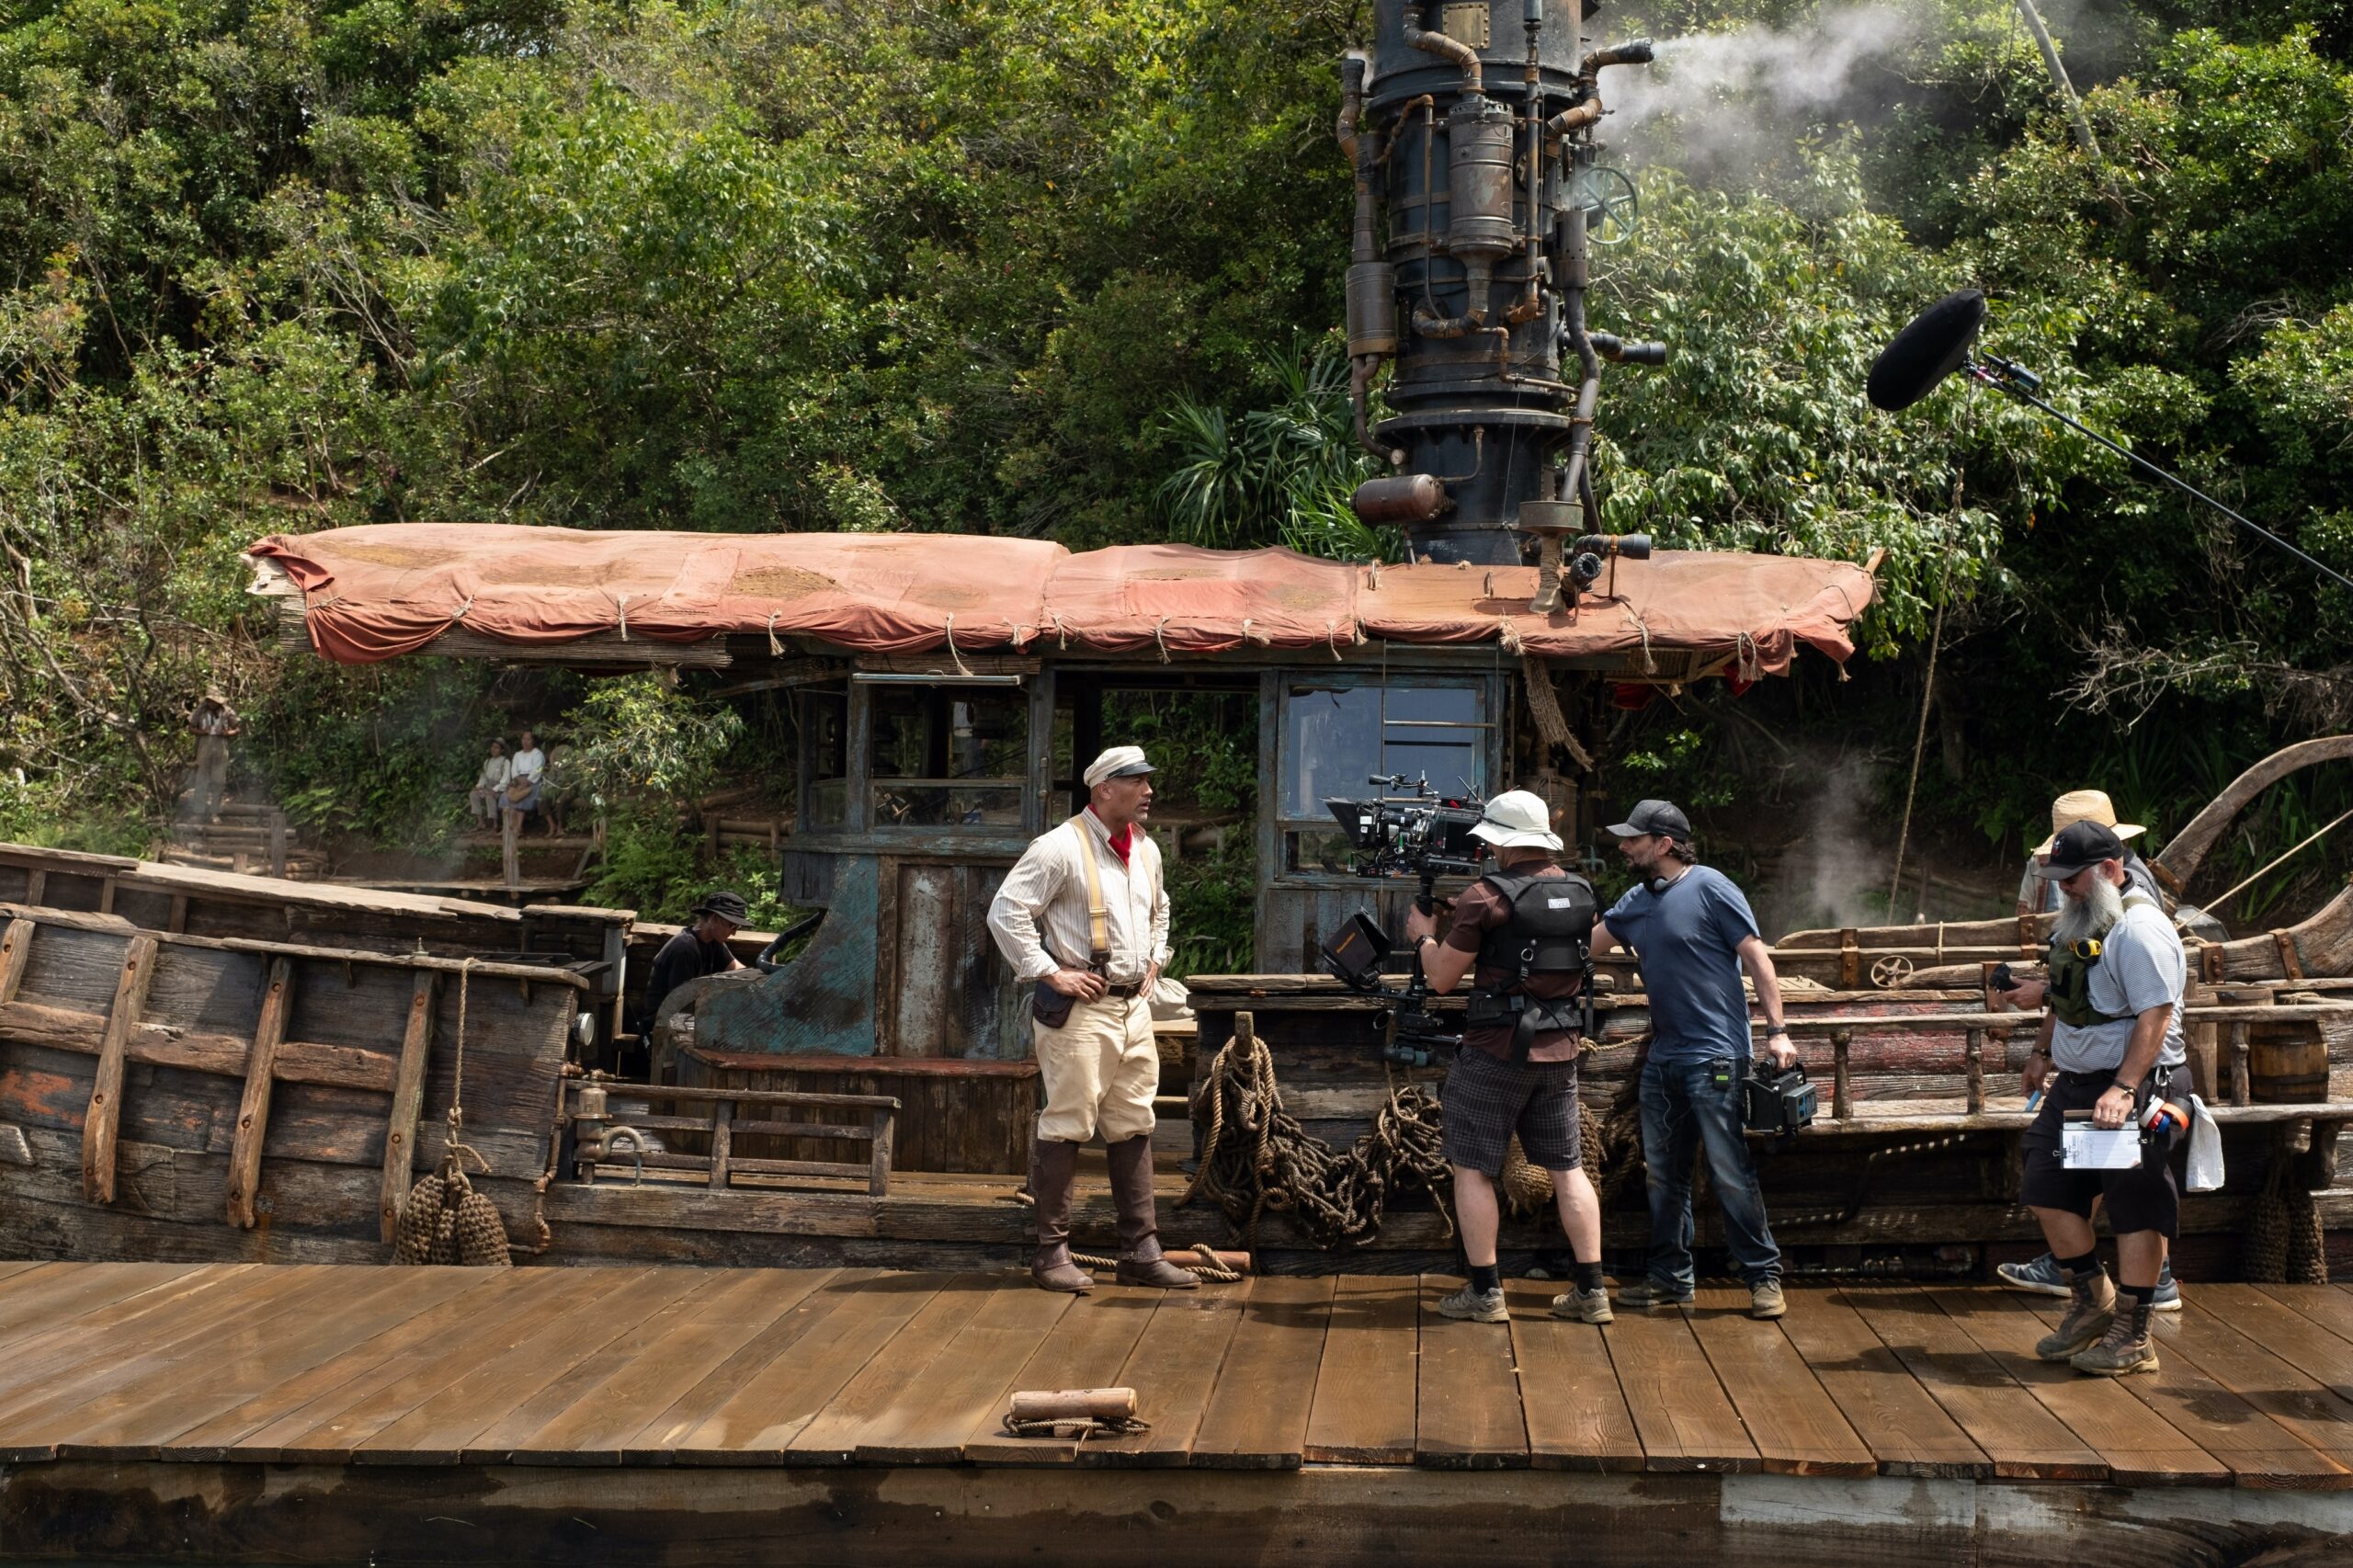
[1098,929]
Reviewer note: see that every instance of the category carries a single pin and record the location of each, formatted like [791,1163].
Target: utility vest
[1550,932]
[2068,992]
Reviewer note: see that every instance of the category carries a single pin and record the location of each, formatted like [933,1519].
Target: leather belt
[1125,993]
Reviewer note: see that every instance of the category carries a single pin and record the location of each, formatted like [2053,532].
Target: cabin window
[1337,737]
[824,752]
[948,756]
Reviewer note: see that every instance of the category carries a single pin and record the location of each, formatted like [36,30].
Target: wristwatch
[1778,1029]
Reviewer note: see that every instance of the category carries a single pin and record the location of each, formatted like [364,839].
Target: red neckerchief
[1123,841]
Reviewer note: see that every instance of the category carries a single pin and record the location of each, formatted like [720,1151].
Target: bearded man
[2110,1044]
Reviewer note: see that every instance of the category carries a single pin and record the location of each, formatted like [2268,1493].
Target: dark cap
[1660,817]
[728,906]
[2078,845]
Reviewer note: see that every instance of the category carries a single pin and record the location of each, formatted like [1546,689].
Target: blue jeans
[1686,1107]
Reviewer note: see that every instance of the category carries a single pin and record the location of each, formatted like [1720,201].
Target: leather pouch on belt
[1049,1006]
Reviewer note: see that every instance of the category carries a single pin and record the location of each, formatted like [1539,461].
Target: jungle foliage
[1068,268]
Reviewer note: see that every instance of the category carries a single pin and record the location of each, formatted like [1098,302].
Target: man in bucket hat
[1521,933]
[1692,934]
[700,949]
[1083,918]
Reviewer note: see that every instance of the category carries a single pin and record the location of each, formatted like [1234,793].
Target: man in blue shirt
[1691,933]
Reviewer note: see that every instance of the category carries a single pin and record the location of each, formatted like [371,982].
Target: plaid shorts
[1486,1099]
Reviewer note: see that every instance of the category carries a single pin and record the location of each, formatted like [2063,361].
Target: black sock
[1487,1277]
[2077,1267]
[1589,1277]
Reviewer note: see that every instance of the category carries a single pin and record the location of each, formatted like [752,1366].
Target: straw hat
[2085,805]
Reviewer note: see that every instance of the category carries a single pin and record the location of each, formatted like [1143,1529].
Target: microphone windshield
[1925,352]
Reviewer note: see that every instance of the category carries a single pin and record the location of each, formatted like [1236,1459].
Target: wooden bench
[596,1123]
[957,1115]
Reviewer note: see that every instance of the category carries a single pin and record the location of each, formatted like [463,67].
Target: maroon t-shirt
[1479,911]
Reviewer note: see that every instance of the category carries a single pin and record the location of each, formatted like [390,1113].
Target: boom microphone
[1925,352]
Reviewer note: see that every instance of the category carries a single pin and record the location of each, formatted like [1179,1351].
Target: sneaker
[1475,1305]
[2044,1276]
[2088,1317]
[1585,1306]
[1651,1294]
[2168,1296]
[1765,1300]
[2125,1348]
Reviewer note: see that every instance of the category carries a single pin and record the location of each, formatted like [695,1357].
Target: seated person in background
[700,949]
[483,801]
[556,789]
[523,774]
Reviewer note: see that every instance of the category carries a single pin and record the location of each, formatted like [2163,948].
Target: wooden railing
[722,1122]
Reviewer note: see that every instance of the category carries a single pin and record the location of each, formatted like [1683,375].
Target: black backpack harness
[1549,932]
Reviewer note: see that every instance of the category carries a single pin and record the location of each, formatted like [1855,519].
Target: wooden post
[100,1127]
[277,842]
[1842,1100]
[105,896]
[408,1098]
[177,922]
[509,824]
[1976,1057]
[2242,1093]
[16,949]
[722,1141]
[36,886]
[878,1177]
[1850,961]
[253,1109]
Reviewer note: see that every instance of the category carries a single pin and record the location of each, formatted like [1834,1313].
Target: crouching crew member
[1082,917]
[1520,933]
[2110,1044]
[1691,933]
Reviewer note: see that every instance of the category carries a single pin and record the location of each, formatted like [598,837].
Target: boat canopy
[378,592]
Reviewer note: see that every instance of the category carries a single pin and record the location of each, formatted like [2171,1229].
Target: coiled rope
[445,1221]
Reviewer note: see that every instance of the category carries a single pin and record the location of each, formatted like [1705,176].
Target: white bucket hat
[2085,805]
[1516,819]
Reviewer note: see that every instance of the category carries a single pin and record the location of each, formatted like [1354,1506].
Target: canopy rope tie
[622,600]
[456,615]
[776,649]
[1508,636]
[1061,631]
[954,657]
[1372,577]
[1332,638]
[1649,665]
[1746,659]
[445,1221]
[1159,640]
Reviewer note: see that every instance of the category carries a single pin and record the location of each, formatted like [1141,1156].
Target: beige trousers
[1101,1071]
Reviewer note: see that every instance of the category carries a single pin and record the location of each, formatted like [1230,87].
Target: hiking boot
[1585,1306]
[1765,1300]
[1141,1261]
[2088,1315]
[1651,1294]
[1474,1305]
[2044,1276]
[2126,1347]
[1054,1173]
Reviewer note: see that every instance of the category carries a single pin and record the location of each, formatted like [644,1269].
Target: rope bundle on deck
[445,1221]
[2285,1244]
[1255,1157]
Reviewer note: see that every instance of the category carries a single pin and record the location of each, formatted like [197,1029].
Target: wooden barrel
[2287,1064]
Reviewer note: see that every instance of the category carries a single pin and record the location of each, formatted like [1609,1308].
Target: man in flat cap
[1083,918]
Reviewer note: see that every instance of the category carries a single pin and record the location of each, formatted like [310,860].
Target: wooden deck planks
[1907,1430]
[2022,1440]
[1468,1393]
[1088,1348]
[656,1442]
[1575,1413]
[1174,1370]
[1365,1395]
[2139,1446]
[968,1387]
[2296,1338]
[2331,1307]
[892,1374]
[1685,1420]
[1797,1427]
[2264,1380]
[1256,1415]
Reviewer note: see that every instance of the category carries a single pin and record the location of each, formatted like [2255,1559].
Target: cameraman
[1691,933]
[1520,932]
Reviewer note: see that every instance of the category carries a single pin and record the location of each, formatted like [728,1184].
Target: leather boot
[1140,1260]
[1054,1173]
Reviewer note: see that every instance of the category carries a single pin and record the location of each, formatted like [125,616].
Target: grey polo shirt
[2142,965]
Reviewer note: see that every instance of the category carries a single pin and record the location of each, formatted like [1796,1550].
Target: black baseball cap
[728,906]
[1661,817]
[2078,845]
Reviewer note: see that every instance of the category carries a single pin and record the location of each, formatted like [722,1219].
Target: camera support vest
[1549,932]
[2068,992]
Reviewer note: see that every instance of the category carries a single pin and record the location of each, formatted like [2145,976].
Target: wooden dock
[322,1413]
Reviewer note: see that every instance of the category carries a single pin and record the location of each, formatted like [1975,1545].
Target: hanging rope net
[445,1221]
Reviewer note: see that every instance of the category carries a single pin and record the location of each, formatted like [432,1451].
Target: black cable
[1996,376]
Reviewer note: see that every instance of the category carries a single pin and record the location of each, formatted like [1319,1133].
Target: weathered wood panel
[968,1116]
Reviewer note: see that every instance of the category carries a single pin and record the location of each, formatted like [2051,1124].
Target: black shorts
[1486,1099]
[2136,1200]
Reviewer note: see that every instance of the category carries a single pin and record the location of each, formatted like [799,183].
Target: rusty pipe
[1462,53]
[1633,51]
[1575,118]
[1479,282]
[1362,368]
[1351,104]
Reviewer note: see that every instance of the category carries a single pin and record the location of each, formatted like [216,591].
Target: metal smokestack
[1466,143]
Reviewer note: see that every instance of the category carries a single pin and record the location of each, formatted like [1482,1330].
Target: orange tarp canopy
[378,592]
